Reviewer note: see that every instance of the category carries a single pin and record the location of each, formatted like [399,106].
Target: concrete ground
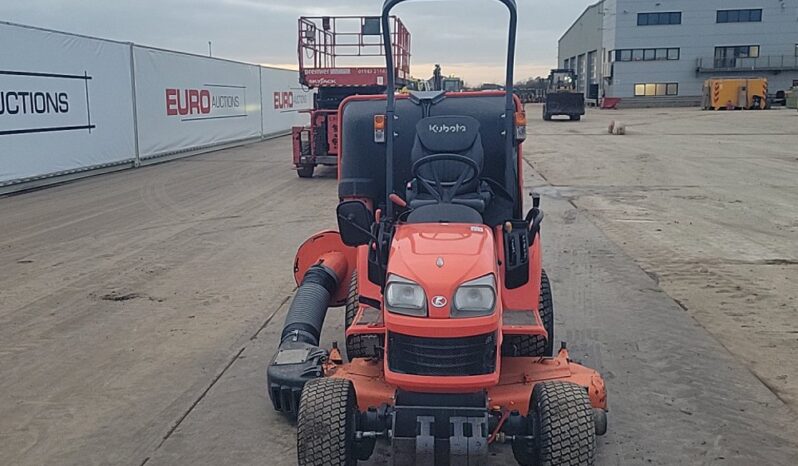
[138,310]
[707,204]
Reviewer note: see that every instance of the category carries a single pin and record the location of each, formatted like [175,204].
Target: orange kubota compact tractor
[449,314]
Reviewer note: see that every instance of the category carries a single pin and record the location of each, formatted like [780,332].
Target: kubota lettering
[444,128]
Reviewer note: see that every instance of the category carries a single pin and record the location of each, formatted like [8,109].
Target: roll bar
[391,91]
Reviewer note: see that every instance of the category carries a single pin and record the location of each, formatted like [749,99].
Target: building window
[624,55]
[740,16]
[647,54]
[727,56]
[656,89]
[659,19]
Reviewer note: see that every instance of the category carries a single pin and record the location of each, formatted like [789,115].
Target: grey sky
[466,36]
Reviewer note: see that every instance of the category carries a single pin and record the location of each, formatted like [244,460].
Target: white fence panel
[65,103]
[187,102]
[283,100]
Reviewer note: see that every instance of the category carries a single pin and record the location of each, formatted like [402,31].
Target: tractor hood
[440,257]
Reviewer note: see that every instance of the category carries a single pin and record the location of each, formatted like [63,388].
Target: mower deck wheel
[326,423]
[357,346]
[535,345]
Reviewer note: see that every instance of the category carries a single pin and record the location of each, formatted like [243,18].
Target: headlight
[475,298]
[403,296]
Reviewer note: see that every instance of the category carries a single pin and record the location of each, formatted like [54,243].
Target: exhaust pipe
[299,357]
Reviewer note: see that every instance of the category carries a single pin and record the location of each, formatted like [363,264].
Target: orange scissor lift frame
[328,49]
[448,312]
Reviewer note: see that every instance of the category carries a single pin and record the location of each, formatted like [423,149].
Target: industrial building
[649,51]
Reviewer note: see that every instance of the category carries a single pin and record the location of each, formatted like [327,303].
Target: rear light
[379,128]
[520,126]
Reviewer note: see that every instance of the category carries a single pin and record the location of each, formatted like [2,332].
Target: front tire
[326,423]
[535,345]
[564,430]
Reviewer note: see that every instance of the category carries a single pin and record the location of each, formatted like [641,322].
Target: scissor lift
[328,47]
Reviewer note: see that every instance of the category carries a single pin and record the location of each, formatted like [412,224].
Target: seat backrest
[450,134]
[363,161]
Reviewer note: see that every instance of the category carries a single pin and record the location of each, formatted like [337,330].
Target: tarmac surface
[138,310]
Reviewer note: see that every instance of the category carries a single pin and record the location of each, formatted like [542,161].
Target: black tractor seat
[447,159]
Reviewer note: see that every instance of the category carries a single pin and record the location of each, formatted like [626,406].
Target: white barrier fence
[71,105]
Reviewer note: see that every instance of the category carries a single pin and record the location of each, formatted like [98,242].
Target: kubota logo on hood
[444,128]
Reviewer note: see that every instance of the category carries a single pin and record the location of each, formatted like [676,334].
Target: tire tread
[357,346]
[323,430]
[566,430]
[535,345]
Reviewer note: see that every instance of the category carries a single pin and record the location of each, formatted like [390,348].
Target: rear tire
[562,423]
[326,423]
[357,346]
[576,117]
[305,171]
[535,345]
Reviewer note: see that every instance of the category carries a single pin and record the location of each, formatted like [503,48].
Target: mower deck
[447,428]
[516,382]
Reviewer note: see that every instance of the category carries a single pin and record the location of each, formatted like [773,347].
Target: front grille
[442,356]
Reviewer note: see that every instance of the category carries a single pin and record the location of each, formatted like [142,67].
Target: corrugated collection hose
[306,314]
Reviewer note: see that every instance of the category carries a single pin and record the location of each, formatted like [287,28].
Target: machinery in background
[530,95]
[439,82]
[562,97]
[735,94]
[323,43]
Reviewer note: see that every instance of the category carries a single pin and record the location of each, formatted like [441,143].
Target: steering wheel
[444,191]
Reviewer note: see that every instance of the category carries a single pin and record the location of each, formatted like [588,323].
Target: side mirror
[354,223]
